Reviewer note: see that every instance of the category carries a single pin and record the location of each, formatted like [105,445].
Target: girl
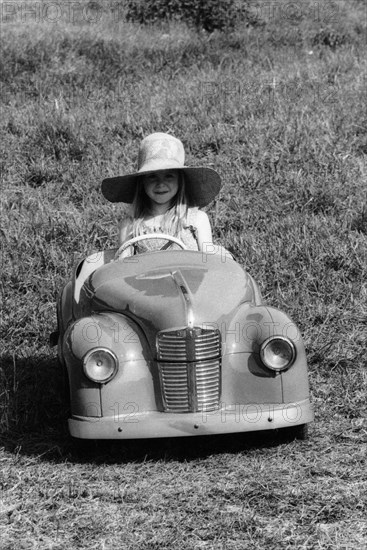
[165,195]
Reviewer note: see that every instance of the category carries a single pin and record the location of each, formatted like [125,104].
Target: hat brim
[202,185]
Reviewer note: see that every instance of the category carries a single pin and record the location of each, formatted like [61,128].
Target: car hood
[170,289]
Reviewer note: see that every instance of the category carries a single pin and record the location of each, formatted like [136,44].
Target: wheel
[85,447]
[299,432]
[64,382]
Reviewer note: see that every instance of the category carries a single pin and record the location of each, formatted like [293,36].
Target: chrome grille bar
[208,385]
[175,389]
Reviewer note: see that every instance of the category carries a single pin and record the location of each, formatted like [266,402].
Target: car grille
[189,365]
[188,344]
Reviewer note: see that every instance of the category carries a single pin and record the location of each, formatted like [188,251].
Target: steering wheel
[124,251]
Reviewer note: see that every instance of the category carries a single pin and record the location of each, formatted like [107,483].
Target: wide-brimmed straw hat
[164,152]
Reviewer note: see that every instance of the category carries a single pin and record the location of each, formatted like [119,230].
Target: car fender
[295,384]
[133,383]
[247,379]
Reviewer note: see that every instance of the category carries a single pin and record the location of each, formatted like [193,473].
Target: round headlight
[277,353]
[100,365]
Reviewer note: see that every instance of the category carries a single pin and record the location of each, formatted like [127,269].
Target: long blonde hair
[173,221]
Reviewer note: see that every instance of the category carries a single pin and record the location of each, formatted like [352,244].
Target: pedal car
[175,343]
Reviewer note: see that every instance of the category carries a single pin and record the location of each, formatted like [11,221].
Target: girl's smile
[161,188]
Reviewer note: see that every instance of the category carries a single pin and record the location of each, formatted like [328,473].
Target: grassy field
[277,106]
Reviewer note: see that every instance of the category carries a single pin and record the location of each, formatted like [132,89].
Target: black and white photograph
[183,353]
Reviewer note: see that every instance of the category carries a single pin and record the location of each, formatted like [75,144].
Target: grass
[278,108]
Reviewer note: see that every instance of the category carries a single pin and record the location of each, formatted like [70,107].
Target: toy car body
[177,343]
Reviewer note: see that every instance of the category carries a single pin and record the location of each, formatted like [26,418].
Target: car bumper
[152,424]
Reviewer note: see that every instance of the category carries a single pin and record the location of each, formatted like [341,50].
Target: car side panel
[246,381]
[132,390]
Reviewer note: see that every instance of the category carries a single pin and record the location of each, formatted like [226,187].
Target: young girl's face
[161,187]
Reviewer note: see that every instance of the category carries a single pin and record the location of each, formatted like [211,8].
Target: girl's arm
[125,232]
[204,231]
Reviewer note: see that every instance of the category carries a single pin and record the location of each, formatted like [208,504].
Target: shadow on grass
[33,421]
[33,405]
[183,449]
